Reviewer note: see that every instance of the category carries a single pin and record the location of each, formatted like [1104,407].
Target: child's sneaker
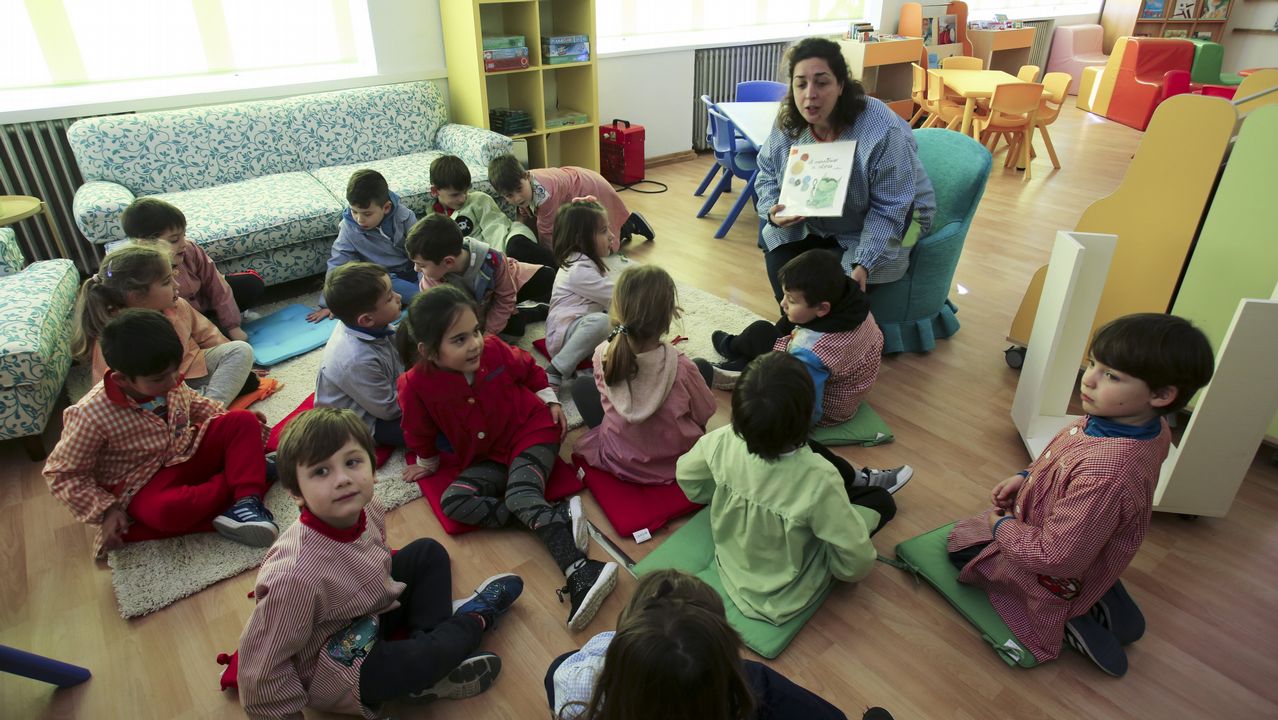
[637,225]
[248,522]
[727,373]
[1100,646]
[474,675]
[1118,613]
[533,311]
[570,511]
[587,587]
[494,597]
[890,479]
[722,342]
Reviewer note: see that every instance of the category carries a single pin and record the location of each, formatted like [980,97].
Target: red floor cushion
[382,452]
[563,482]
[631,507]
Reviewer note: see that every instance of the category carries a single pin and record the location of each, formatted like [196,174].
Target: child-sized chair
[1075,47]
[962,62]
[918,91]
[1028,73]
[1138,86]
[760,91]
[942,111]
[1208,57]
[1177,82]
[729,156]
[1056,84]
[1011,116]
[742,144]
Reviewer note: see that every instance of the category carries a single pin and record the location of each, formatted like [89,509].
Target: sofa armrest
[11,259]
[476,146]
[97,208]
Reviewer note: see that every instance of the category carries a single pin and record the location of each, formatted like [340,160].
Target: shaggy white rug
[150,575]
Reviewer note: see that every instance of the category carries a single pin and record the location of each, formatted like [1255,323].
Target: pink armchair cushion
[1075,47]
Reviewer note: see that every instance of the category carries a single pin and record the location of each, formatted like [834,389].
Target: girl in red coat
[493,404]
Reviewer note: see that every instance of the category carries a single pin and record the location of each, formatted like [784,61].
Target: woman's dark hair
[429,317]
[772,404]
[1162,350]
[576,223]
[851,103]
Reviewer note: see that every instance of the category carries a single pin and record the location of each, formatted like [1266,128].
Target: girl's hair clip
[619,330]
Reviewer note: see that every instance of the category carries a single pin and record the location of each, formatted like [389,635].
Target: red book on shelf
[505,64]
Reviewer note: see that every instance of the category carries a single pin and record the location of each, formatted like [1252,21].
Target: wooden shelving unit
[540,88]
[1126,17]
[884,69]
[1005,50]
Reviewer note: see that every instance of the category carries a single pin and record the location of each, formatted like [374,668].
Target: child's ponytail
[429,316]
[644,304]
[132,268]
[576,223]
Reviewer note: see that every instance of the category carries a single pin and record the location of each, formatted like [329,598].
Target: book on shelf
[506,53]
[515,63]
[576,48]
[1175,33]
[1153,10]
[563,39]
[947,29]
[496,42]
[561,118]
[929,31]
[564,59]
[1185,10]
[1215,9]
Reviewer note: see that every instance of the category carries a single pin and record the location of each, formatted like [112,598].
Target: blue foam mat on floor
[285,333]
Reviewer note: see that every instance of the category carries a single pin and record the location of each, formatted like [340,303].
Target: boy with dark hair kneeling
[329,594]
[478,216]
[1060,532]
[497,282]
[787,515]
[145,457]
[361,363]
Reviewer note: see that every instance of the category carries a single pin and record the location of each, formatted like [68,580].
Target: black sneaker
[890,479]
[272,472]
[876,713]
[722,342]
[639,226]
[570,511]
[1118,613]
[474,675]
[533,311]
[494,597]
[1086,635]
[587,587]
[248,522]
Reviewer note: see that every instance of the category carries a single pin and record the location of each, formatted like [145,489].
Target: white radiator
[1043,31]
[35,159]
[717,72]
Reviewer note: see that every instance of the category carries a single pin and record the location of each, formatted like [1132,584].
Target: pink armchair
[1075,47]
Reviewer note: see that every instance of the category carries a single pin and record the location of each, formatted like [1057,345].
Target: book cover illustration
[1153,9]
[929,31]
[947,30]
[1215,9]
[1185,10]
[816,179]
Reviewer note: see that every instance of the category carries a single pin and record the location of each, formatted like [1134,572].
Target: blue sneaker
[1118,613]
[248,522]
[1100,646]
[494,597]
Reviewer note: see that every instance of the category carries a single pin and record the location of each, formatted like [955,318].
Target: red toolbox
[621,152]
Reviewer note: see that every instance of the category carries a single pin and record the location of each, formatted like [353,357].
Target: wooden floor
[1207,586]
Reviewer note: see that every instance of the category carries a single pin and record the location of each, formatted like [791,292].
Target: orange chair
[1028,73]
[962,62]
[918,91]
[1138,86]
[1056,84]
[941,110]
[1013,108]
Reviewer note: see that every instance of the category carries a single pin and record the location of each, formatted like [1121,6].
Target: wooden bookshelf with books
[1202,19]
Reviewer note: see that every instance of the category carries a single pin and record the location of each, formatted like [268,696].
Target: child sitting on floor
[1050,550]
[497,282]
[578,318]
[330,595]
[478,216]
[144,457]
[538,194]
[492,404]
[361,363]
[827,324]
[218,297]
[787,515]
[372,230]
[674,655]
[136,276]
[647,403]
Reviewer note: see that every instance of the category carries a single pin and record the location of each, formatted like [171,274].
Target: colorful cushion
[865,428]
[381,453]
[285,333]
[631,507]
[691,549]
[563,482]
[926,556]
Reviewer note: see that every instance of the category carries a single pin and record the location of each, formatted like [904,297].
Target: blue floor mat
[285,333]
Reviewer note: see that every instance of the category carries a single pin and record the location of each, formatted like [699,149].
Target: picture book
[1215,9]
[816,177]
[1175,33]
[929,31]
[1185,10]
[1153,9]
[946,29]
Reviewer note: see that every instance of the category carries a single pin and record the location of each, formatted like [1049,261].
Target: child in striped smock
[1050,549]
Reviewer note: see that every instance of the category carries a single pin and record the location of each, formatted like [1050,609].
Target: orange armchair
[1138,88]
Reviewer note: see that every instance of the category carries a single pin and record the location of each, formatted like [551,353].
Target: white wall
[1248,51]
[653,90]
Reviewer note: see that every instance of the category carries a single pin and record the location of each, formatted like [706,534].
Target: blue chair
[915,310]
[760,91]
[733,161]
[743,145]
[38,667]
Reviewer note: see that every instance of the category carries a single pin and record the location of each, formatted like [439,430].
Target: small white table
[754,119]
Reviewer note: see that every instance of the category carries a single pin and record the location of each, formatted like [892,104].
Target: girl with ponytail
[647,403]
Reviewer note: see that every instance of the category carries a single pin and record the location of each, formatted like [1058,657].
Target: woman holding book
[886,188]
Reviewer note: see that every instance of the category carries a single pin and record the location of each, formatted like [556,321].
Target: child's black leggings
[437,642]
[875,498]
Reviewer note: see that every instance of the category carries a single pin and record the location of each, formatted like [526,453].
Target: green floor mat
[865,428]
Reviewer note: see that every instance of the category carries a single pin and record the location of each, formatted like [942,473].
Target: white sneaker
[891,479]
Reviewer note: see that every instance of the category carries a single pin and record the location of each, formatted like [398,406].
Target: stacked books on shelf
[564,117]
[505,52]
[858,31]
[560,49]
[510,121]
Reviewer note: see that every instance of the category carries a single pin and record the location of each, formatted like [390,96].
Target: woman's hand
[783,221]
[860,275]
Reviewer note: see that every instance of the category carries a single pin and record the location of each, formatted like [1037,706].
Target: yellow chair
[1012,111]
[918,91]
[941,110]
[1027,73]
[962,62]
[1056,85]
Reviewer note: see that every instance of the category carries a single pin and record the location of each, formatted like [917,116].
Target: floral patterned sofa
[35,340]
[263,184]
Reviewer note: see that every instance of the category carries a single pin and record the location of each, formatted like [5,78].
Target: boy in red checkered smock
[1060,532]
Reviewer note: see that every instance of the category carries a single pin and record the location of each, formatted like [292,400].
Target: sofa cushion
[364,124]
[246,217]
[35,309]
[407,175]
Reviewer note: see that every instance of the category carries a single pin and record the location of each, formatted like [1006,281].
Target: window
[668,23]
[1022,9]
